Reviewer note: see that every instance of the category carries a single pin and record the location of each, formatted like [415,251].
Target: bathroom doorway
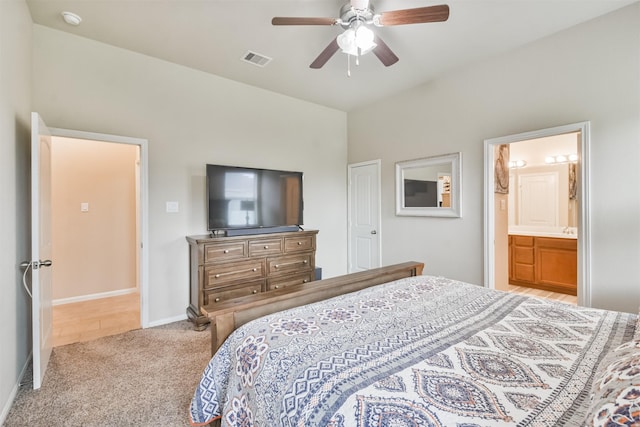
[536,223]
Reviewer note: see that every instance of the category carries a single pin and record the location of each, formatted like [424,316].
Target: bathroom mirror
[431,186]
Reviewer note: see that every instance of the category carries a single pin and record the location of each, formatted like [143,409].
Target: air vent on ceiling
[256,59]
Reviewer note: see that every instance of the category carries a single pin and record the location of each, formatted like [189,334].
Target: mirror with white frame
[431,186]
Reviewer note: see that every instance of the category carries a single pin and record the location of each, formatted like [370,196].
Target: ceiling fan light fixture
[357,41]
[347,42]
[364,39]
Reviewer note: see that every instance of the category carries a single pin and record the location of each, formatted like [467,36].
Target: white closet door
[364,216]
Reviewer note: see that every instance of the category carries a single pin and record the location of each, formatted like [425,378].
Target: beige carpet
[139,378]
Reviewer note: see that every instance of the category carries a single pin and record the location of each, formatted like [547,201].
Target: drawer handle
[290,263]
[299,243]
[255,291]
[226,251]
[276,287]
[219,275]
[305,281]
[217,300]
[266,246]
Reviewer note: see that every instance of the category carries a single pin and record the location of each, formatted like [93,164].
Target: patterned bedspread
[421,351]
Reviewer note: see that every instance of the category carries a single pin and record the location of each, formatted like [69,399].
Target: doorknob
[36,264]
[39,264]
[374,232]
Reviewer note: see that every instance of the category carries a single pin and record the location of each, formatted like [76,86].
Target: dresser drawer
[217,295]
[283,282]
[219,275]
[265,247]
[295,244]
[224,251]
[289,264]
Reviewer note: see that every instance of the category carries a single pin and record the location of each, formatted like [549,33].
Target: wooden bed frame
[227,316]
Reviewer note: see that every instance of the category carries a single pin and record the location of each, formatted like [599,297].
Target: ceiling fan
[356,17]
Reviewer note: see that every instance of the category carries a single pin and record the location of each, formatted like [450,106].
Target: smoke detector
[71,18]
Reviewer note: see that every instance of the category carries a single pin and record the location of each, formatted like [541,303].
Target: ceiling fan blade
[326,54]
[418,15]
[302,21]
[384,53]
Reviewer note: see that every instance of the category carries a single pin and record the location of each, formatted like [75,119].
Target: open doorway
[97,234]
[542,219]
[538,239]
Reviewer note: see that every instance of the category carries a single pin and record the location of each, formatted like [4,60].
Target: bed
[391,347]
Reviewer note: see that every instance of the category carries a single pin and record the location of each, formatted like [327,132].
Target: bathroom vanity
[544,261]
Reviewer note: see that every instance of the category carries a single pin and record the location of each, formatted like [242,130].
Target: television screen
[240,197]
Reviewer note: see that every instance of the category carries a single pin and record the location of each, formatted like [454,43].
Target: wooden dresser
[222,268]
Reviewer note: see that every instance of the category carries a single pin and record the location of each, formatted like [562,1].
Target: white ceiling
[213,36]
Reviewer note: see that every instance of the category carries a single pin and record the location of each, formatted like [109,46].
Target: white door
[364,216]
[538,199]
[41,303]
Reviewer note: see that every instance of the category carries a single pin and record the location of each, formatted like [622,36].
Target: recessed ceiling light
[71,18]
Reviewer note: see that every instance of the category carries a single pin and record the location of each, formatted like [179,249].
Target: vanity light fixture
[517,164]
[561,158]
[71,18]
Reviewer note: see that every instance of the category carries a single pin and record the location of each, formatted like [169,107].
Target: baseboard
[90,297]
[167,321]
[14,392]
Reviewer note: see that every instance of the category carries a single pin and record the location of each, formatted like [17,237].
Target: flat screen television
[243,200]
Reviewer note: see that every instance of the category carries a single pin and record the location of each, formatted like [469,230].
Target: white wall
[589,72]
[192,118]
[15,108]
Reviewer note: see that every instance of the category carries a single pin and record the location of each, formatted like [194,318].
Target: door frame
[350,168]
[143,219]
[583,195]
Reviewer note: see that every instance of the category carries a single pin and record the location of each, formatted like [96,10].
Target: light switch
[84,207]
[173,207]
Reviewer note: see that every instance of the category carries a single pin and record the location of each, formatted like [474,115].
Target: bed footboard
[229,315]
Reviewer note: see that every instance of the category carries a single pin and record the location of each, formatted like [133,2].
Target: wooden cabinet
[544,263]
[557,264]
[222,268]
[522,259]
